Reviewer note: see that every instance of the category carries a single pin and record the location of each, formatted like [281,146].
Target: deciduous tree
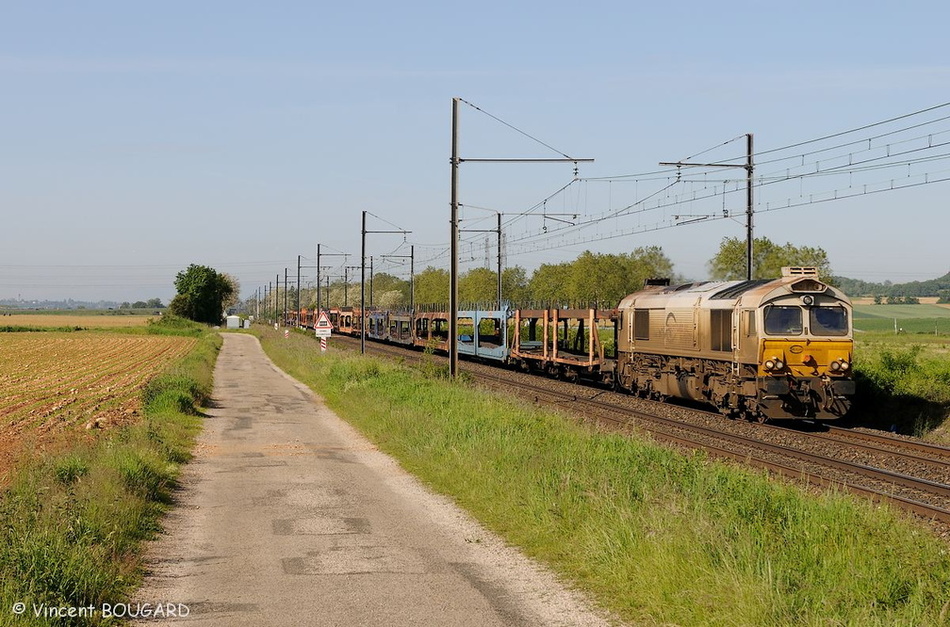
[547,284]
[768,258]
[432,286]
[478,285]
[203,294]
[598,278]
[514,284]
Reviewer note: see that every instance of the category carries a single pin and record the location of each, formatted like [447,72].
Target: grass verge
[658,537]
[72,525]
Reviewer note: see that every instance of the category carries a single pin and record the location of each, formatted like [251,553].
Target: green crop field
[909,318]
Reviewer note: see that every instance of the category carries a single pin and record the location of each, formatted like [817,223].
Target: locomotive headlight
[839,366]
[769,364]
[779,364]
[808,300]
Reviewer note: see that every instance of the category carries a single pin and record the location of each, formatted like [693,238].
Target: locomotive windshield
[823,321]
[828,321]
[783,320]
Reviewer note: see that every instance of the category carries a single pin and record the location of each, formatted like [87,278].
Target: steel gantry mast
[363,280]
[344,255]
[749,168]
[454,226]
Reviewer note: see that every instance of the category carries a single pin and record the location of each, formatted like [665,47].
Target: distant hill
[935,287]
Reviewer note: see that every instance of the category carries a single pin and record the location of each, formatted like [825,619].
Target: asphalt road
[289,517]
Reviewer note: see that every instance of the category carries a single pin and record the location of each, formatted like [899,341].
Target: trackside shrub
[902,388]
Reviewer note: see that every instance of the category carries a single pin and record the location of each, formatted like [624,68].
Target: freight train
[760,349]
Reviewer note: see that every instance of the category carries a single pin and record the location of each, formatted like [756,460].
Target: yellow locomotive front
[805,350]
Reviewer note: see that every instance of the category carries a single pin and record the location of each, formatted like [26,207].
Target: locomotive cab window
[828,321]
[783,320]
[749,323]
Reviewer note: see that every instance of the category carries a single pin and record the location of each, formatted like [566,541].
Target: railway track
[912,475]
[916,494]
[931,452]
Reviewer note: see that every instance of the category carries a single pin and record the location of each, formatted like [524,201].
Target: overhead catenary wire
[665,173]
[516,129]
[886,159]
[847,164]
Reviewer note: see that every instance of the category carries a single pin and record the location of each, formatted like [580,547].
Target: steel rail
[921,447]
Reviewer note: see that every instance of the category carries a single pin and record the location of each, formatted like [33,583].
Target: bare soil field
[58,387]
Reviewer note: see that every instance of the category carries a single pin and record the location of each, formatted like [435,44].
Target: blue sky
[139,139]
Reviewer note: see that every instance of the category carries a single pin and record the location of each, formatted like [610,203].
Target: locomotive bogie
[805,397]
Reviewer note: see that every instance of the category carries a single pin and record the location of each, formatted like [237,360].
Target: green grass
[72,524]
[658,537]
[901,312]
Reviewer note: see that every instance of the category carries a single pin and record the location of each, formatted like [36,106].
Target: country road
[288,516]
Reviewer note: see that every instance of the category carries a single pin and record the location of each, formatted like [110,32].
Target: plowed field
[52,384]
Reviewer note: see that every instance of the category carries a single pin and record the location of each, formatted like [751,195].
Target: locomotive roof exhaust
[788,271]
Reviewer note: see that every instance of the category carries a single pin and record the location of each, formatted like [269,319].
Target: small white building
[234,322]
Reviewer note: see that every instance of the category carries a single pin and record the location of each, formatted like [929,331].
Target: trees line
[600,279]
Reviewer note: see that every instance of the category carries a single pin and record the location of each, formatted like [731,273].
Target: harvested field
[87,321]
[57,385]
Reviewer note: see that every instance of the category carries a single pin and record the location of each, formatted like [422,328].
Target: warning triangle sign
[323,322]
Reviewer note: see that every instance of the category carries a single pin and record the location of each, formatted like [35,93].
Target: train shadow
[878,407]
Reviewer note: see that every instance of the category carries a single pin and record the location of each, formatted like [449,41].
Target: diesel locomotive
[764,349]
